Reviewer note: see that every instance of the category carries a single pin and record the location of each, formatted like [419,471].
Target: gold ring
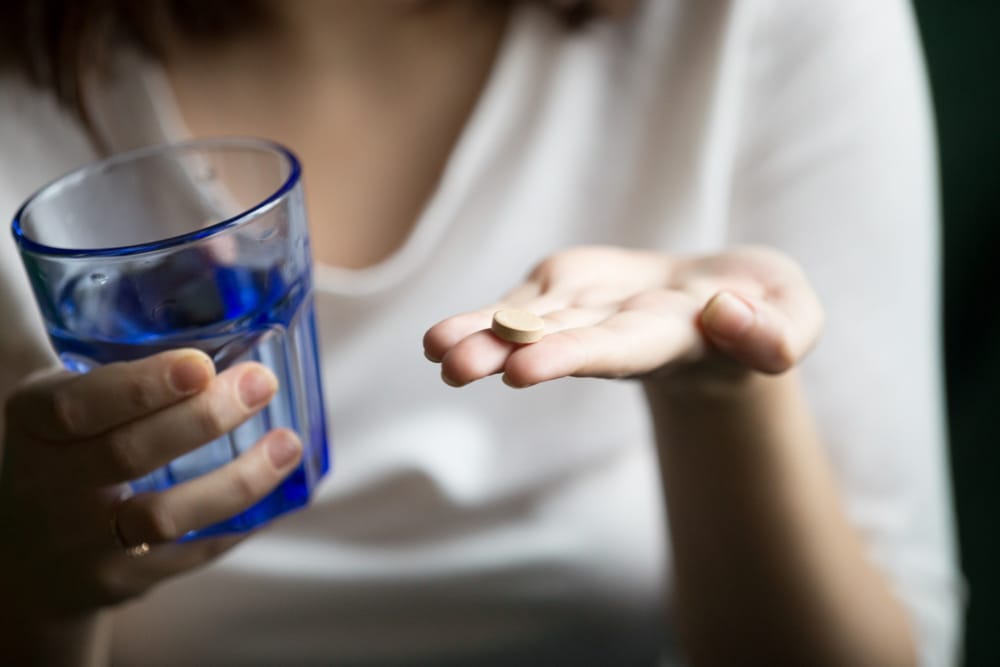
[138,550]
[132,551]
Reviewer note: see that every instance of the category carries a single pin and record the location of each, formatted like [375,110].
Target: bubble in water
[164,310]
[98,278]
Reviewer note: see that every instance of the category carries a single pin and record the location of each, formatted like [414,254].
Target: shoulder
[845,35]
[796,20]
[666,30]
[706,48]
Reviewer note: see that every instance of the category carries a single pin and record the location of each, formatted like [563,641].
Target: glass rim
[27,244]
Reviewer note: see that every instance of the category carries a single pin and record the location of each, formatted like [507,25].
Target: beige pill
[518,326]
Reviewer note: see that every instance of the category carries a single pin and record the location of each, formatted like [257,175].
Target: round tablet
[518,326]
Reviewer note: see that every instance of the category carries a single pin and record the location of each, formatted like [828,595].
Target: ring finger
[481,353]
[167,516]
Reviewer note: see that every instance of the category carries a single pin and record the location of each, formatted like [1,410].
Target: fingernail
[727,316]
[190,373]
[448,381]
[428,356]
[256,387]
[283,449]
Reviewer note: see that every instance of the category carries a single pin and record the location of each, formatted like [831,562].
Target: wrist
[718,383]
[721,416]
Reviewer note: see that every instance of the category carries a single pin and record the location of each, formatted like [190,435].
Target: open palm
[612,312]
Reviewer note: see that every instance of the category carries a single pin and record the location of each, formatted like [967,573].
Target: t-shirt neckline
[469,160]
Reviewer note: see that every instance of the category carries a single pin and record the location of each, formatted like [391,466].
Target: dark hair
[54,43]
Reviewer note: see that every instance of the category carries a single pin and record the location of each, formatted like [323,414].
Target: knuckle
[67,414]
[159,524]
[210,416]
[123,453]
[245,485]
[141,393]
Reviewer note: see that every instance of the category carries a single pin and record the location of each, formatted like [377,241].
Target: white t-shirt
[491,526]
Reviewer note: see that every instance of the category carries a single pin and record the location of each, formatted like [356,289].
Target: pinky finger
[167,560]
[162,562]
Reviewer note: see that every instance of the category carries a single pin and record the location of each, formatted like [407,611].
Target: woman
[607,176]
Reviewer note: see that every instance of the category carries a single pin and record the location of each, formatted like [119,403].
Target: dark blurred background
[962,42]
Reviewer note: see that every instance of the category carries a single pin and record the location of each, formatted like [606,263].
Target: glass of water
[198,244]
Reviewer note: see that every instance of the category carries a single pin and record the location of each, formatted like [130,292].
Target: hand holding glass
[199,244]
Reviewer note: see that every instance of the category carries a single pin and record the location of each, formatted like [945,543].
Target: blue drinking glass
[198,244]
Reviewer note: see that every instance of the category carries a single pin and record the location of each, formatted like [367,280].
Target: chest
[373,140]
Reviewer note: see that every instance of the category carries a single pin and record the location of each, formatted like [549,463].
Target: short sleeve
[836,167]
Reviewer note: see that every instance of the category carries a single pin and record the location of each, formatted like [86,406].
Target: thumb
[753,332]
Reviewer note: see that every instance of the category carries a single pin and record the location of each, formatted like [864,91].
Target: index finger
[447,333]
[71,407]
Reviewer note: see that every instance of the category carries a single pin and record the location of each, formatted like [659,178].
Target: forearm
[78,641]
[33,634]
[768,569]
[31,637]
